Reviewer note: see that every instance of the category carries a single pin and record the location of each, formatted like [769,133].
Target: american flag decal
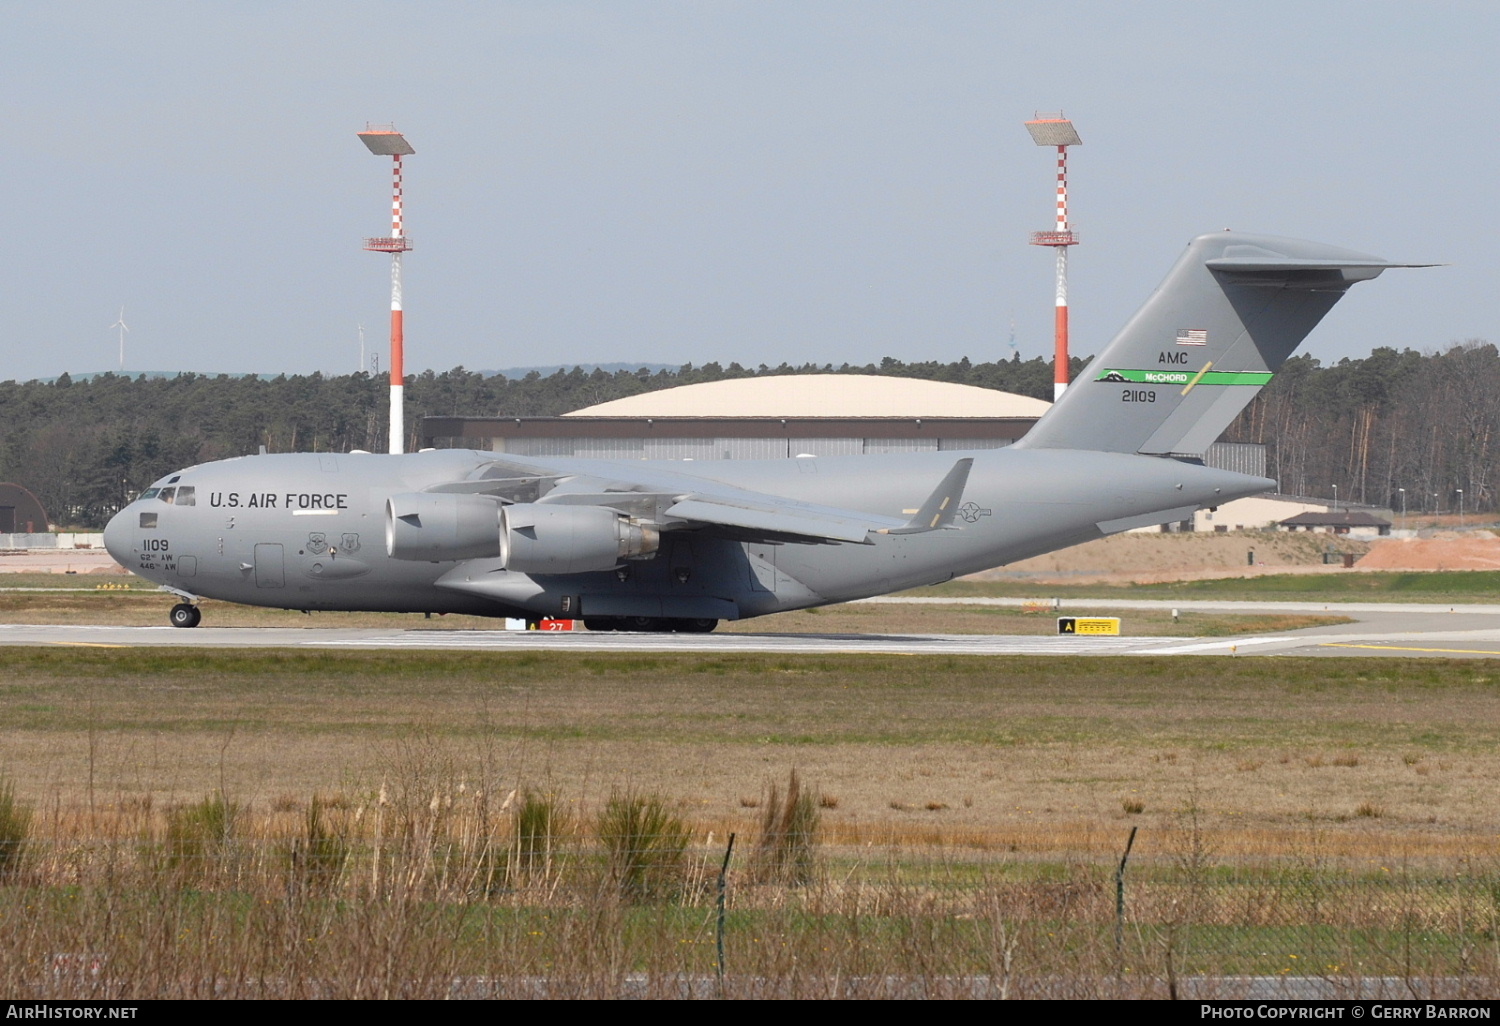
[1192,337]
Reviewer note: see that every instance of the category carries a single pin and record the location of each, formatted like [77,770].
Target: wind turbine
[123,329]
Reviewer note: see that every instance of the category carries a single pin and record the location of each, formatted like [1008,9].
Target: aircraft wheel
[701,625]
[642,623]
[601,623]
[185,615]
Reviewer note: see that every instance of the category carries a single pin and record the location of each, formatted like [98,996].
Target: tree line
[1396,428]
[1392,420]
[85,447]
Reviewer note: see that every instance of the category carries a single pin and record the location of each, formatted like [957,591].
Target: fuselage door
[270,567]
[761,562]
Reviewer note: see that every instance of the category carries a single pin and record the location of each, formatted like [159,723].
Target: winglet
[937,512]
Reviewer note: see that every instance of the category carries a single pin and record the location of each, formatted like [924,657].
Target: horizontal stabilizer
[1249,264]
[1165,516]
[1278,263]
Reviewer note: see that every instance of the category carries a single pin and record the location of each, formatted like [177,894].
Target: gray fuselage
[309,531]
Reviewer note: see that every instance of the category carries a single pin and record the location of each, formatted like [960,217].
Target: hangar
[20,511]
[761,418]
[778,416]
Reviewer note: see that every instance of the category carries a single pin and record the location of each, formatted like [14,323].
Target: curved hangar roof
[821,395]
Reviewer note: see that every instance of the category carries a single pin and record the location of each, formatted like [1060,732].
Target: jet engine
[436,527]
[558,539]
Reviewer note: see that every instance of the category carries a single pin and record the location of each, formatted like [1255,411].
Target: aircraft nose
[117,535]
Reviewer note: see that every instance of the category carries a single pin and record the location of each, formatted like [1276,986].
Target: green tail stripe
[1184,378]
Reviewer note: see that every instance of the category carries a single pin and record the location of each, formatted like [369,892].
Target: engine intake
[557,539]
[438,527]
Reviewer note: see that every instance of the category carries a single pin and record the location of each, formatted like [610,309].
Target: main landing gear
[650,624]
[185,615]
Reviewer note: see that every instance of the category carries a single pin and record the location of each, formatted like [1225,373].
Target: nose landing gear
[185,615]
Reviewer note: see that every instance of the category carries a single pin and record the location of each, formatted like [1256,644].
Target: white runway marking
[925,644]
[1199,606]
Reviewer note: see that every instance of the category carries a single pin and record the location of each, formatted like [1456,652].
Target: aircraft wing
[750,516]
[680,502]
[755,515]
[776,519]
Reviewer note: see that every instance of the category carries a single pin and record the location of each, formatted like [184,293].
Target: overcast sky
[763,181]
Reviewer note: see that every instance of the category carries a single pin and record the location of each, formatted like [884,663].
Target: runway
[1407,630]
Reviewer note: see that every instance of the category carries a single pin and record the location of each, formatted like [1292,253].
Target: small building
[1269,511]
[1256,512]
[20,511]
[1354,523]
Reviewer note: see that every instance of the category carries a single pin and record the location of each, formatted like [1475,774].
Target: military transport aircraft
[679,546]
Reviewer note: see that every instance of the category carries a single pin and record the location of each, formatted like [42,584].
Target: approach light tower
[385,141]
[1057,130]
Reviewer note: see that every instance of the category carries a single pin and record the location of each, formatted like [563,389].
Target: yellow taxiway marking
[1408,648]
[86,644]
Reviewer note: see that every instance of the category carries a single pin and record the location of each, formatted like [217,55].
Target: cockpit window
[168,495]
[150,493]
[185,495]
[148,521]
[174,480]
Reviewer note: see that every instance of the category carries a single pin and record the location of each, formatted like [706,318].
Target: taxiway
[1406,629]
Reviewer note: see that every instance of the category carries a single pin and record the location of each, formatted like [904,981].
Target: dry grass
[310,823]
[397,894]
[788,839]
[1034,750]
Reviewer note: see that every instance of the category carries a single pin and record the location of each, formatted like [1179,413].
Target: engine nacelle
[540,538]
[437,527]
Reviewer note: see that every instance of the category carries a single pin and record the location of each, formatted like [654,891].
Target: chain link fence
[634,902]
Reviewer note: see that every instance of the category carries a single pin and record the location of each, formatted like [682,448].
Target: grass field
[1475,586]
[314,823]
[1055,750]
[388,824]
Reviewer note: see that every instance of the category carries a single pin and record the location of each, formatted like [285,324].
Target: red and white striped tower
[385,141]
[1056,130]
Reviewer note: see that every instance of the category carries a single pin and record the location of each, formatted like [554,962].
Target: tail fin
[1228,315]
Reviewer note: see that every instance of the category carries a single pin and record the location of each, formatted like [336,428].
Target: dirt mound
[1149,558]
[1445,550]
[1157,558]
